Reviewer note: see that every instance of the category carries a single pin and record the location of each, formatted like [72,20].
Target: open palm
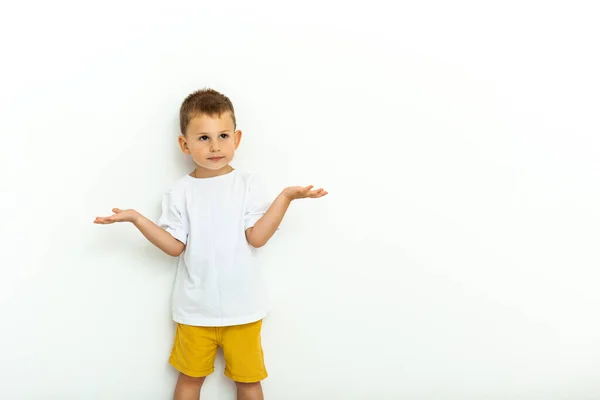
[118,216]
[303,192]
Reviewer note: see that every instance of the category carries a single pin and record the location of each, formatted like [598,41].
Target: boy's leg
[244,362]
[188,388]
[249,391]
[193,355]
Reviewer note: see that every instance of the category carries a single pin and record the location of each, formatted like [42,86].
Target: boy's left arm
[265,228]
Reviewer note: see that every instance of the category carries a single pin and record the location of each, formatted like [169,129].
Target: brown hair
[204,101]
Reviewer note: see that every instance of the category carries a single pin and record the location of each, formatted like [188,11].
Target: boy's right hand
[118,216]
[154,233]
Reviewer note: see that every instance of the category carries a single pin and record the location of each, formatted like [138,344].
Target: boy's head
[208,129]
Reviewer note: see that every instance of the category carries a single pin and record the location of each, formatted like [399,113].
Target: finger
[116,210]
[105,220]
[307,188]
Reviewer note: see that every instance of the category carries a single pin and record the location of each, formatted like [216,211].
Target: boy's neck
[200,172]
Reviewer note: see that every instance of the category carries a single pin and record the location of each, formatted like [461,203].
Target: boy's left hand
[303,192]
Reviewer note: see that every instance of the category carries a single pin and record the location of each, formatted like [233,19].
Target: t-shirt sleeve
[258,202]
[173,219]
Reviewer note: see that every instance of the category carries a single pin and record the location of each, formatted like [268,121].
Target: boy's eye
[203,137]
[224,136]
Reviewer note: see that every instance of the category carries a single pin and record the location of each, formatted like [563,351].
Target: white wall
[456,256]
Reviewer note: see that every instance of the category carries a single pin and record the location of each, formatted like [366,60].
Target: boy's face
[211,141]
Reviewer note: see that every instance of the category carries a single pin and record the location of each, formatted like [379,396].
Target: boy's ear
[237,137]
[183,144]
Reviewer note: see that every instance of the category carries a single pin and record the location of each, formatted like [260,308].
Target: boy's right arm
[154,233]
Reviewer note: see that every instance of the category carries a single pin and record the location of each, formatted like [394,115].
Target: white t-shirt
[218,282]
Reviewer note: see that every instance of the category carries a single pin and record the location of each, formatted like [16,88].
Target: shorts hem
[189,372]
[245,379]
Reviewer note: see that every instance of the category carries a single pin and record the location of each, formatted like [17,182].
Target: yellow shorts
[195,349]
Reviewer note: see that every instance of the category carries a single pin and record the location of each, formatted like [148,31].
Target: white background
[456,256]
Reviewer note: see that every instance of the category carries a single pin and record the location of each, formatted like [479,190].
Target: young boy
[211,219]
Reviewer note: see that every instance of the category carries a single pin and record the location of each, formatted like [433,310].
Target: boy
[211,219]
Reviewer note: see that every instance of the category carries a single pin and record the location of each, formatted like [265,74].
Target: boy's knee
[249,391]
[190,380]
[248,386]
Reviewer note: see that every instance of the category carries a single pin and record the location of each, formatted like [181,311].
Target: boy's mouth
[216,158]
